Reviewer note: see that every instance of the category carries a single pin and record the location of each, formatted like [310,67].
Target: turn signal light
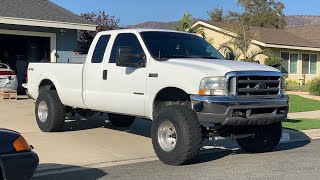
[201,92]
[21,144]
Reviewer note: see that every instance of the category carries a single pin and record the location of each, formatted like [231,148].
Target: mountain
[155,25]
[292,21]
[302,20]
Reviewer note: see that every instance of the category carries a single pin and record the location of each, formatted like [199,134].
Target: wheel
[176,135]
[50,112]
[121,120]
[265,138]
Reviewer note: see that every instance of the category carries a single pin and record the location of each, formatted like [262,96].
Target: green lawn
[300,104]
[302,124]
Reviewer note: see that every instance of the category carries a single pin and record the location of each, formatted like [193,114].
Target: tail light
[27,77]
[7,73]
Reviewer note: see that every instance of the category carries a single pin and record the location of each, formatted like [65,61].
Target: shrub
[273,61]
[303,88]
[314,87]
[292,82]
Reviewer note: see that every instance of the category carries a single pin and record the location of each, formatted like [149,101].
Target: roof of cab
[139,30]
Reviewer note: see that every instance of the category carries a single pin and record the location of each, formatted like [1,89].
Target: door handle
[105,74]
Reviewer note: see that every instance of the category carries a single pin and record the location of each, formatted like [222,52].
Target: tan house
[298,47]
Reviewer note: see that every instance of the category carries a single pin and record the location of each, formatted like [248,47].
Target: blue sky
[138,11]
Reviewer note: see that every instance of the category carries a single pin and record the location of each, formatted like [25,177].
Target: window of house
[290,63]
[309,63]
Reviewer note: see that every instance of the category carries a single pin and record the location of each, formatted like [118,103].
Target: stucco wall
[217,38]
[66,42]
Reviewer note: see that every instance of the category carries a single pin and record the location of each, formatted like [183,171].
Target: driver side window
[130,41]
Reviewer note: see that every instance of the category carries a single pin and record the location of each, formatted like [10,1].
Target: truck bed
[66,77]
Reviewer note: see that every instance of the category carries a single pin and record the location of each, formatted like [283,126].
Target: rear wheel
[50,112]
[265,138]
[121,120]
[176,135]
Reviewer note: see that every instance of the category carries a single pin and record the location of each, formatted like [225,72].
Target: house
[299,48]
[34,30]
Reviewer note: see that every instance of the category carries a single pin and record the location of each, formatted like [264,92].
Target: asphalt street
[298,160]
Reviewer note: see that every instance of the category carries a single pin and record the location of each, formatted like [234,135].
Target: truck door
[122,89]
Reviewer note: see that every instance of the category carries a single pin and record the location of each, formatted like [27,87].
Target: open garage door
[17,51]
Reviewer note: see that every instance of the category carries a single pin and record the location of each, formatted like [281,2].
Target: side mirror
[126,58]
[230,56]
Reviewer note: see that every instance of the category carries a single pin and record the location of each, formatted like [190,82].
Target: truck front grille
[255,84]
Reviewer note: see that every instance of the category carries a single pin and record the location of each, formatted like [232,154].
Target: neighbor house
[299,48]
[35,30]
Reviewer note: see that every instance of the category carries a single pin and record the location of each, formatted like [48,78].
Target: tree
[216,14]
[261,13]
[240,45]
[103,21]
[185,25]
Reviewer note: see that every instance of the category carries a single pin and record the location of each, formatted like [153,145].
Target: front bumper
[229,110]
[19,165]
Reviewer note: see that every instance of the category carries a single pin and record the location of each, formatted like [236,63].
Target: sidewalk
[305,115]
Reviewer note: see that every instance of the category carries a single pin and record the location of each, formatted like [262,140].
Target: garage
[18,51]
[37,30]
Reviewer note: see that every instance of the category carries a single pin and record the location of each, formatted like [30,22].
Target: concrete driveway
[84,142]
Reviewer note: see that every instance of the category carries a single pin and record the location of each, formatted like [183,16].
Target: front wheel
[50,112]
[176,135]
[265,138]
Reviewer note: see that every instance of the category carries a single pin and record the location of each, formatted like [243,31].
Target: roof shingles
[275,36]
[38,10]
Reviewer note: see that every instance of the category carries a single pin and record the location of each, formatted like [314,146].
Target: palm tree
[185,25]
[240,45]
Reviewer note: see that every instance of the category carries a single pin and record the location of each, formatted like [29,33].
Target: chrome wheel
[167,136]
[43,111]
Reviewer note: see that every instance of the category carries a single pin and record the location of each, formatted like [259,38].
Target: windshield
[165,45]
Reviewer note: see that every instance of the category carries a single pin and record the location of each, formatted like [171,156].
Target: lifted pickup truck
[177,80]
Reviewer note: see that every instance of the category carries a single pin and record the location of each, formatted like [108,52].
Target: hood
[216,67]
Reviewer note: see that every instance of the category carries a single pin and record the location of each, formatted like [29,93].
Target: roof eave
[268,45]
[44,23]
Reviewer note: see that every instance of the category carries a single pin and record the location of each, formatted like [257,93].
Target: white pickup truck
[177,80]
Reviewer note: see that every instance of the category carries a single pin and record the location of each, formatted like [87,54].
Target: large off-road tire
[50,112]
[121,120]
[265,138]
[176,135]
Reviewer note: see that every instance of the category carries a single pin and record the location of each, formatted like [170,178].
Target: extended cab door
[120,89]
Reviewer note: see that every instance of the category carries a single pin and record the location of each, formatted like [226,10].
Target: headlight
[215,86]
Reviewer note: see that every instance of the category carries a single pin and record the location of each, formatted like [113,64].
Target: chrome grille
[255,84]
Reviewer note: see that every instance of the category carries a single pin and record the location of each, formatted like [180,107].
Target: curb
[302,135]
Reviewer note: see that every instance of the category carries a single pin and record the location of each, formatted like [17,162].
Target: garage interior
[17,51]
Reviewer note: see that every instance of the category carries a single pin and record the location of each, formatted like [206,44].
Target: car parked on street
[17,160]
[8,78]
[178,80]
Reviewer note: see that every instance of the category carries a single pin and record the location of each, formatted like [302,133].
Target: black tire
[121,120]
[265,139]
[56,112]
[188,134]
